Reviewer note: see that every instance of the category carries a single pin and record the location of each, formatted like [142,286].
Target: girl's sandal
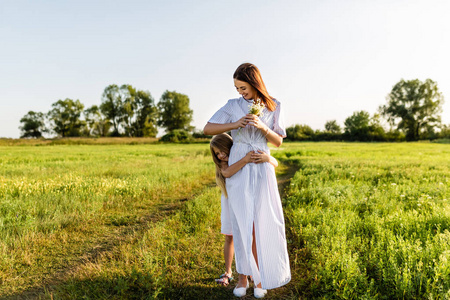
[224,279]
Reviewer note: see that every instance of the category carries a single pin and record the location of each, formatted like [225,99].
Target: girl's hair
[222,142]
[249,73]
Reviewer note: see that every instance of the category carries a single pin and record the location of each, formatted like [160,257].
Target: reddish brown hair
[249,73]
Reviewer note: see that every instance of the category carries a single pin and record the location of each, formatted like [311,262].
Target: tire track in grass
[107,243]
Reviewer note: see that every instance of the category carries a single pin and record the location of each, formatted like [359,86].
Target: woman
[220,147]
[254,202]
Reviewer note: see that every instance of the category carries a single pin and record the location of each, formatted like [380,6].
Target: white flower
[256,108]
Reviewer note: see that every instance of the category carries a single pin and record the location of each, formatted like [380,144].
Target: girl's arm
[273,161]
[262,156]
[228,171]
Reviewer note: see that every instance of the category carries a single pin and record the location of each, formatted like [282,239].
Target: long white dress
[254,199]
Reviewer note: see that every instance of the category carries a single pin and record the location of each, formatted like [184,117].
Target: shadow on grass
[148,288]
[140,285]
[62,278]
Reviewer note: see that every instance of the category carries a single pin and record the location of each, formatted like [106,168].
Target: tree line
[412,112]
[124,111]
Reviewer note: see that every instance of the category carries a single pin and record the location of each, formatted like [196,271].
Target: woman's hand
[260,157]
[253,120]
[241,123]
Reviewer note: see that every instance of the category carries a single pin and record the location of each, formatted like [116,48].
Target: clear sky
[323,59]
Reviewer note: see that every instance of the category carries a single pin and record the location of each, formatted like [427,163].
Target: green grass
[58,202]
[370,221]
[142,221]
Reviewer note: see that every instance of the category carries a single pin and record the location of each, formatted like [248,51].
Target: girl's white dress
[254,199]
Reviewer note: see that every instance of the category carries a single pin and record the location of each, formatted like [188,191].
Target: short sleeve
[278,121]
[223,115]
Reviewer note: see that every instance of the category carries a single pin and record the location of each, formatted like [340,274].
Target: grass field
[141,221]
[370,221]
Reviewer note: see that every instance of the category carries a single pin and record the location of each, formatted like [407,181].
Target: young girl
[220,149]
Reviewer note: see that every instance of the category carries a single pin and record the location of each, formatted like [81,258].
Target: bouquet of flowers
[256,108]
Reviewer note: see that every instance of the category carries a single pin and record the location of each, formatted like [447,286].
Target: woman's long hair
[249,73]
[222,142]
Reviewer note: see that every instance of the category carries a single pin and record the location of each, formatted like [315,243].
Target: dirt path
[284,178]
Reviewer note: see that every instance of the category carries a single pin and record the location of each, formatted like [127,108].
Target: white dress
[226,228]
[254,199]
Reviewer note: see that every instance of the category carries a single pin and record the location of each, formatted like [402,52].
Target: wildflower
[256,108]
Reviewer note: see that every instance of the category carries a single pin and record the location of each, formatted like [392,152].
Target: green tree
[333,127]
[96,123]
[140,112]
[132,112]
[414,106]
[445,132]
[361,127]
[65,117]
[147,115]
[376,130]
[299,133]
[174,111]
[112,106]
[129,108]
[33,125]
[357,126]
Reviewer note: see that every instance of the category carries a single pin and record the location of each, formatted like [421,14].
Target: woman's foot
[241,288]
[224,279]
[259,292]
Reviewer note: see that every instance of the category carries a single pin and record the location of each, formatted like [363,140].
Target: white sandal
[259,292]
[240,292]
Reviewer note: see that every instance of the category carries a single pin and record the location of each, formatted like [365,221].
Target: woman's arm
[262,156]
[214,128]
[273,137]
[228,171]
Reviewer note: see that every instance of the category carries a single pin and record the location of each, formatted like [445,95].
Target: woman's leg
[228,253]
[242,281]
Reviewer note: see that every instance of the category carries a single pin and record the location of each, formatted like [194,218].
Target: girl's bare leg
[228,253]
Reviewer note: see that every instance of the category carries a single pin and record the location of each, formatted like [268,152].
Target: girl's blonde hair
[222,142]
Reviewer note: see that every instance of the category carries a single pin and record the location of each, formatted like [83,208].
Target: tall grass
[57,202]
[371,221]
[364,221]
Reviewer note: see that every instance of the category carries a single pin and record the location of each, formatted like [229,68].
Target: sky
[322,59]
